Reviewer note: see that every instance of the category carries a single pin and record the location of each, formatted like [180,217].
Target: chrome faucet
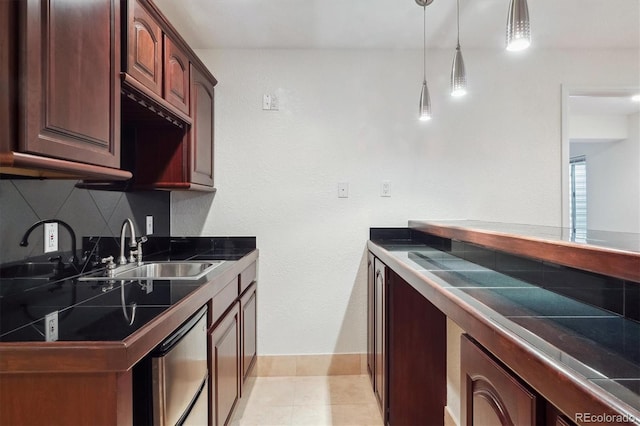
[135,245]
[122,260]
[25,238]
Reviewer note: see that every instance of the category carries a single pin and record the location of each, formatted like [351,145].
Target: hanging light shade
[518,28]
[425,103]
[458,73]
[424,112]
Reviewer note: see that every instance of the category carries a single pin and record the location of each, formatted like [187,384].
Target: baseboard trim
[311,365]
[449,419]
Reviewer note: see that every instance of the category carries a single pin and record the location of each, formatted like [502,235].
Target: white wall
[613,180]
[351,116]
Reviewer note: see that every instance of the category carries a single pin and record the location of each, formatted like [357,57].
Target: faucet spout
[25,237]
[128,223]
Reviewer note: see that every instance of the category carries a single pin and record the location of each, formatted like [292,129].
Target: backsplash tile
[88,212]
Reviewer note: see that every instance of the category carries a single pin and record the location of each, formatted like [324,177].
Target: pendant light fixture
[458,73]
[518,28]
[425,100]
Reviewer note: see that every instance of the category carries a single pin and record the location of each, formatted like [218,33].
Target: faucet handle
[136,255]
[109,261]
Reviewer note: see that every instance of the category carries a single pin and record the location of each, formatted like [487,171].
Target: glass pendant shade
[425,103]
[518,28]
[458,75]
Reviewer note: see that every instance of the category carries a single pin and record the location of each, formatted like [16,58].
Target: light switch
[343,190]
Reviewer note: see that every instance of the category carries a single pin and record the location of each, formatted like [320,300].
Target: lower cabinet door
[249,311]
[225,366]
[491,395]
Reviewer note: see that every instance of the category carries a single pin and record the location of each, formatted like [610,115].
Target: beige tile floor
[312,400]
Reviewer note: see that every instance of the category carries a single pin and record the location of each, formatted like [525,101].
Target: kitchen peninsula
[550,330]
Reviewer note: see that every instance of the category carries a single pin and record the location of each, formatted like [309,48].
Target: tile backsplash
[89,212]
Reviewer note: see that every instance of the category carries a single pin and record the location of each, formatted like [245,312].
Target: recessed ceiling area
[605,104]
[397,24]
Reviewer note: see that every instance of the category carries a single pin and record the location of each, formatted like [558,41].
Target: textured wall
[351,116]
[613,180]
[89,213]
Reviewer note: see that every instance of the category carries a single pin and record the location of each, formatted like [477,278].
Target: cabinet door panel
[72,108]
[249,330]
[491,395]
[202,130]
[380,360]
[370,318]
[225,368]
[176,76]
[144,59]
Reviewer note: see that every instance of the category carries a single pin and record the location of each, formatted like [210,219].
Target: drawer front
[248,276]
[224,299]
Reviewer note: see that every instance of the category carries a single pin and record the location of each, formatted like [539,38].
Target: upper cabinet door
[176,78]
[70,89]
[201,134]
[144,52]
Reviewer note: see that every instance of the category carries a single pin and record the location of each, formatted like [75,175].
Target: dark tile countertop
[595,344]
[103,311]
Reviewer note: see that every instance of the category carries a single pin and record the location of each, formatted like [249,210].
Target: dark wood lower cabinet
[380,335]
[225,366]
[370,317]
[490,394]
[417,361]
[249,312]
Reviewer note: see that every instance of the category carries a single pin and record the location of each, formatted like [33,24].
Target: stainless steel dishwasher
[170,384]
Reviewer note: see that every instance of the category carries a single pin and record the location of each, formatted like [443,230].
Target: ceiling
[219,24]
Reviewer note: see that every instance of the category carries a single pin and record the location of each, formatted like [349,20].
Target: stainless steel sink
[179,270]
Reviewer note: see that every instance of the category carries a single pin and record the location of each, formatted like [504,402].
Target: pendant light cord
[458,21]
[424,43]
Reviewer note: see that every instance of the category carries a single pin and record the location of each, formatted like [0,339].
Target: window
[578,208]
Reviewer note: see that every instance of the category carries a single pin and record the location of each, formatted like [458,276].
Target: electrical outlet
[266,102]
[51,327]
[50,237]
[385,190]
[149,225]
[343,190]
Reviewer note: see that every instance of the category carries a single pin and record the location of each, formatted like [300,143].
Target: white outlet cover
[50,237]
[149,225]
[51,327]
[385,189]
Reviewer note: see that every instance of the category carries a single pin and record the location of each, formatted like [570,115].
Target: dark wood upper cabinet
[64,61]
[168,105]
[144,48]
[176,76]
[201,134]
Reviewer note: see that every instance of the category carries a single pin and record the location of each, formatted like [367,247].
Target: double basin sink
[177,270]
